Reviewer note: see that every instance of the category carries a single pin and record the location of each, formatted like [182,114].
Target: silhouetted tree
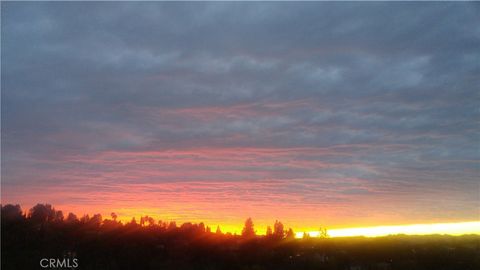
[278,231]
[72,218]
[114,246]
[201,227]
[146,220]
[290,234]
[172,226]
[269,233]
[59,216]
[133,222]
[151,221]
[322,232]
[42,213]
[85,219]
[218,231]
[12,212]
[114,216]
[162,224]
[97,218]
[95,221]
[248,230]
[187,226]
[110,224]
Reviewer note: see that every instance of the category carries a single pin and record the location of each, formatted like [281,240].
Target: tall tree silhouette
[218,231]
[290,234]
[269,231]
[133,222]
[278,231]
[248,230]
[59,216]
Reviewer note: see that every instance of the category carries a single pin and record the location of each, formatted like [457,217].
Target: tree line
[42,214]
[43,234]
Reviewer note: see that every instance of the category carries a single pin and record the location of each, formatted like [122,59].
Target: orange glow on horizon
[233,224]
[236,226]
[453,228]
[457,228]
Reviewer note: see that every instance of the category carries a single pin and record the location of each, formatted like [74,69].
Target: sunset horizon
[470,227]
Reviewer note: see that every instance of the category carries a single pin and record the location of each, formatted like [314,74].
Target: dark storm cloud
[394,85]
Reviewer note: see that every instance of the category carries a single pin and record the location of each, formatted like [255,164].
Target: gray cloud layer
[391,88]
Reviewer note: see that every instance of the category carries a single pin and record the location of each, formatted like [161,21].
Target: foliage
[108,244]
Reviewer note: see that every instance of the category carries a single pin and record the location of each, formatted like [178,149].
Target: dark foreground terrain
[94,243]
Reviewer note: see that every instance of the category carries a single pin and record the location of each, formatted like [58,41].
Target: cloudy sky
[332,114]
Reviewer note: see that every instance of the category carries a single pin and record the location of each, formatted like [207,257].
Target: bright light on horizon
[458,228]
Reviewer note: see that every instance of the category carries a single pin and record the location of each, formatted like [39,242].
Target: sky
[315,114]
